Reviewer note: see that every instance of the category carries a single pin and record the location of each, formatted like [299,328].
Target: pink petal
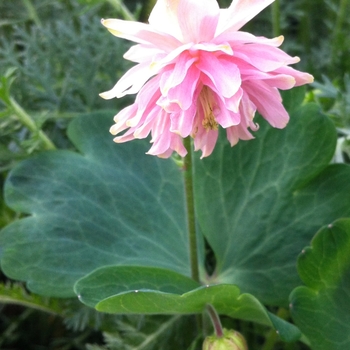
[264,57]
[164,18]
[142,53]
[161,143]
[131,82]
[121,118]
[176,75]
[301,78]
[247,38]
[233,103]
[239,13]
[236,133]
[205,141]
[268,102]
[140,33]
[222,74]
[226,117]
[280,81]
[145,100]
[182,123]
[143,131]
[183,93]
[211,47]
[177,145]
[198,19]
[164,60]
[247,111]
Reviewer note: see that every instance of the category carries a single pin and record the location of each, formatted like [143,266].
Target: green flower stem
[146,10]
[276,20]
[342,13]
[27,121]
[120,7]
[32,12]
[215,319]
[191,220]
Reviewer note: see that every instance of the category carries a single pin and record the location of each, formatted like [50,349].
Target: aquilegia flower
[196,72]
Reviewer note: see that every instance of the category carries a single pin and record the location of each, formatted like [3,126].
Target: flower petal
[164,18]
[268,102]
[176,75]
[198,19]
[280,81]
[145,100]
[182,94]
[205,141]
[182,122]
[142,53]
[121,118]
[301,78]
[224,75]
[241,37]
[239,13]
[140,33]
[131,82]
[264,57]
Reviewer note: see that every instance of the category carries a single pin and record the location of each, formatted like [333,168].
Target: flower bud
[231,340]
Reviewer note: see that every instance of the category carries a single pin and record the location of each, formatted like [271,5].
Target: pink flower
[196,72]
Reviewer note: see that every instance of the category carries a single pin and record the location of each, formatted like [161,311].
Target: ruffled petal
[121,119]
[142,53]
[140,33]
[205,141]
[164,18]
[145,100]
[132,81]
[268,102]
[280,81]
[239,13]
[175,76]
[301,78]
[224,75]
[264,57]
[240,37]
[182,122]
[198,19]
[182,94]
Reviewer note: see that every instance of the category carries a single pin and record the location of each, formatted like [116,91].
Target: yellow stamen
[209,122]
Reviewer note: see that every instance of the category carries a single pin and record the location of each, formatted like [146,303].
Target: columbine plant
[196,71]
[118,230]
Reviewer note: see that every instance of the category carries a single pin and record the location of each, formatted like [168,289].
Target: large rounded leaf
[260,202]
[322,308]
[110,205]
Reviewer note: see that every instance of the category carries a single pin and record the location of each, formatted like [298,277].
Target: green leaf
[260,202]
[321,307]
[142,290]
[105,207]
[106,281]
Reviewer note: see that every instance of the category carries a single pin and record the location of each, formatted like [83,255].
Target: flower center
[208,104]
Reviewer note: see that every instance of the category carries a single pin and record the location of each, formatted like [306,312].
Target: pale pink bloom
[196,71]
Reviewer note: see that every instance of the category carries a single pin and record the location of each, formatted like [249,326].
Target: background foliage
[55,58]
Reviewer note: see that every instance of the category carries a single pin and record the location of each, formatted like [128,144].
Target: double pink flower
[196,72]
